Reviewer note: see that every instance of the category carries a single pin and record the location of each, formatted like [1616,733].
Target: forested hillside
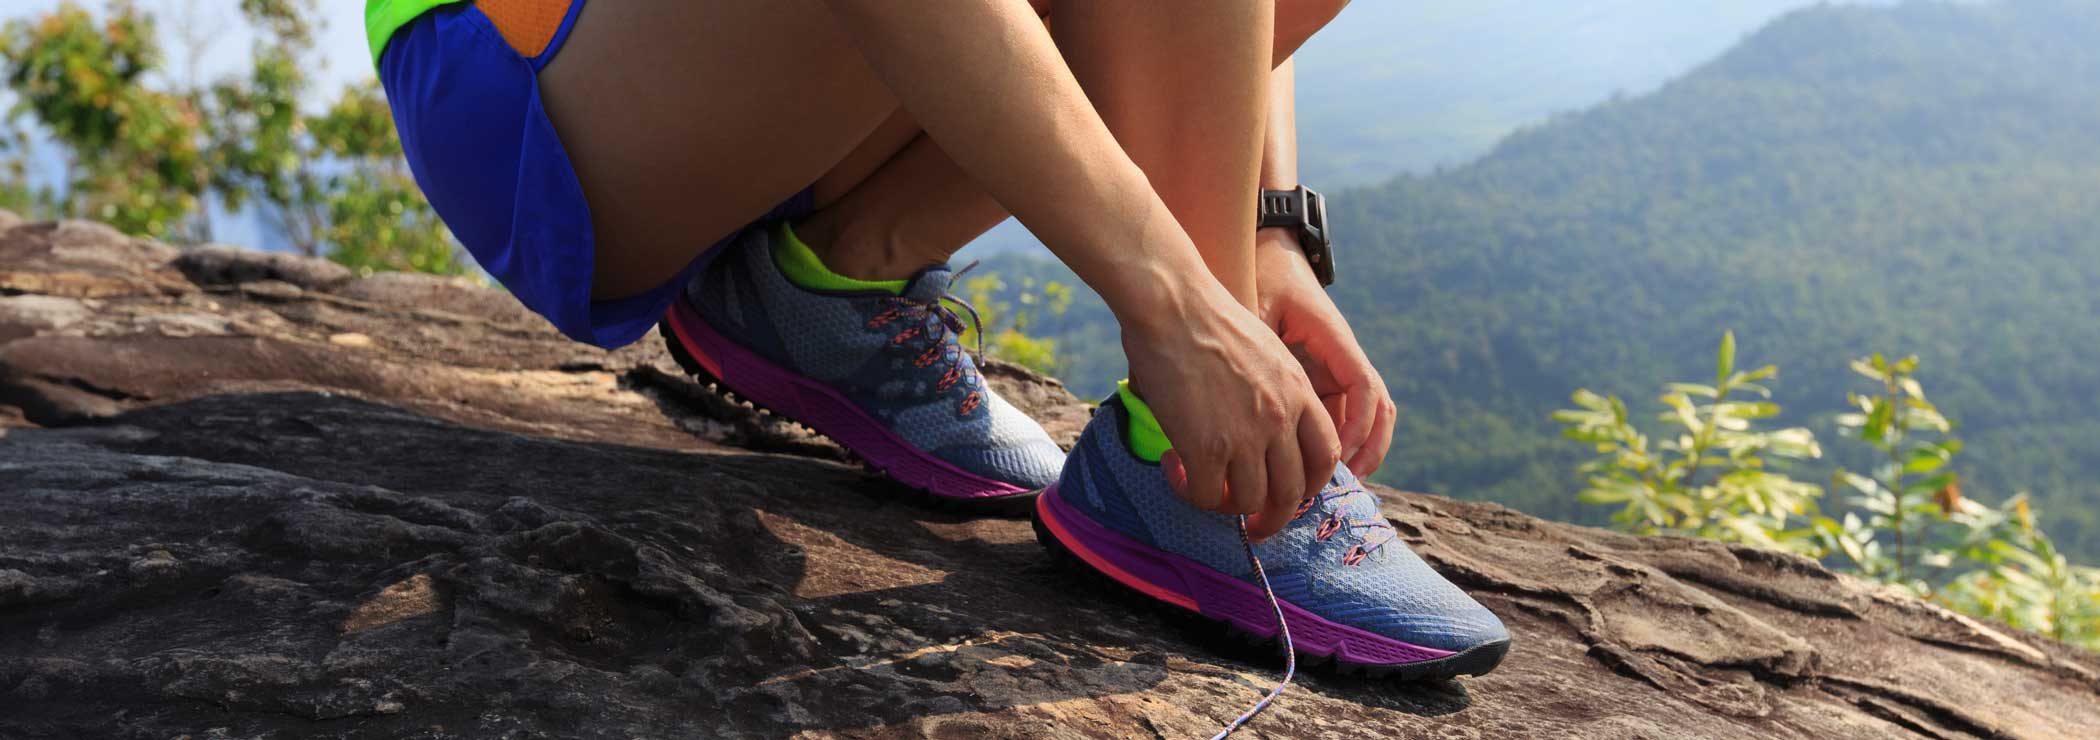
[1407,87]
[1917,179]
[1448,80]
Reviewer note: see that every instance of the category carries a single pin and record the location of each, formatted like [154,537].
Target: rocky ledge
[252,495]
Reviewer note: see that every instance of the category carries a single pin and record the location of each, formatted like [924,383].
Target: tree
[145,155]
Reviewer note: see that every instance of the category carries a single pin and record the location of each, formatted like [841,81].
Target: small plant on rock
[1711,472]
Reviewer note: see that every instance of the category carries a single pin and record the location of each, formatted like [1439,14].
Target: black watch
[1305,211]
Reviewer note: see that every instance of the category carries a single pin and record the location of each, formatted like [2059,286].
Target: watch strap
[1305,211]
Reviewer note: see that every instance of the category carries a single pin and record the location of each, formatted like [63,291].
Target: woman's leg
[884,219]
[664,184]
[1186,93]
[686,120]
[914,209]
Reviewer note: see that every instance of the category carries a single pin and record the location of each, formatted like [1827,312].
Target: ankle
[802,264]
[863,251]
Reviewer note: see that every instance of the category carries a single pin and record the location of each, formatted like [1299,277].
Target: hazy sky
[1450,79]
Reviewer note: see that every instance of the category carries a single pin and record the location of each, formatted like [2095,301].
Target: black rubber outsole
[1015,505]
[1474,661]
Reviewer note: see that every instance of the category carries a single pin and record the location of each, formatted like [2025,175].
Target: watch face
[1319,242]
[1305,210]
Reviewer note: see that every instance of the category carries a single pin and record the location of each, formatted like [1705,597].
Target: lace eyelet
[1327,529]
[1354,556]
[1304,506]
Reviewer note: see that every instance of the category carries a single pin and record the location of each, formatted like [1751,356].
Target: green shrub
[1904,523]
[1712,472]
[1005,324]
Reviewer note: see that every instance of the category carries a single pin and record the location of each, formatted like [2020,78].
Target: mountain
[1923,178]
[254,495]
[1388,87]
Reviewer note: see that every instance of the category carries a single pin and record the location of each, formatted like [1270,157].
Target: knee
[1297,20]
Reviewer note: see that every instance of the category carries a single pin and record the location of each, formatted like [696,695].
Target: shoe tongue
[1360,506]
[929,284]
[1342,478]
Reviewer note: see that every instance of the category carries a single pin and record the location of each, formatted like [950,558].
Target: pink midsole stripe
[1078,547]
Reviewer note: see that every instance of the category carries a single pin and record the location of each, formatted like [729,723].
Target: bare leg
[686,120]
[913,211]
[884,219]
[1193,119]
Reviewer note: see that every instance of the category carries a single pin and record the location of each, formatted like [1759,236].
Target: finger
[1202,485]
[1286,489]
[1245,484]
[1321,452]
[1367,460]
[1360,410]
[1337,405]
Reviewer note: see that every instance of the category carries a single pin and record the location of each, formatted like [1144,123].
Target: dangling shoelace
[931,321]
[1290,652]
[1355,555]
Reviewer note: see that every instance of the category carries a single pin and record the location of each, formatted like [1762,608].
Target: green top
[384,17]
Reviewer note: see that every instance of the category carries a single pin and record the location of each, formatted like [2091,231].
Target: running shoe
[883,374]
[1348,588]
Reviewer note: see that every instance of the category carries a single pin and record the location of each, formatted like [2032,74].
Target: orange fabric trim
[529,25]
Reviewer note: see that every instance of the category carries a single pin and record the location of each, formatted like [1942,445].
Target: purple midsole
[1216,595]
[811,403]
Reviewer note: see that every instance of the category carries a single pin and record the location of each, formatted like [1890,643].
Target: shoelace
[932,321]
[1335,522]
[1290,652]
[1355,555]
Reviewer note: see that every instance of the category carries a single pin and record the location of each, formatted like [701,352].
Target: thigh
[686,120]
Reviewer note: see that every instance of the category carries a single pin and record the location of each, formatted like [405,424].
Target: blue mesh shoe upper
[1339,559]
[898,358]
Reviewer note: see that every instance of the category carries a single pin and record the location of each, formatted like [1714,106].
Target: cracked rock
[464,526]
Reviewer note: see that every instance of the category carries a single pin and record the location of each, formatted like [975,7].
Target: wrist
[1155,300]
[1269,238]
[1279,260]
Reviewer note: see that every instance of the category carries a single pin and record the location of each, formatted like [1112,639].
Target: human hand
[1250,434]
[1299,311]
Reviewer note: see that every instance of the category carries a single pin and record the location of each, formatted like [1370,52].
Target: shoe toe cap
[1451,630]
[1032,465]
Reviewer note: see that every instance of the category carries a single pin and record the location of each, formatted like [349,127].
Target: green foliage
[145,155]
[1906,523]
[1909,485]
[138,155]
[1088,341]
[16,194]
[2024,581]
[1007,313]
[1710,474]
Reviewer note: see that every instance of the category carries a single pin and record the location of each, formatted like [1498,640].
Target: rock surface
[250,495]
